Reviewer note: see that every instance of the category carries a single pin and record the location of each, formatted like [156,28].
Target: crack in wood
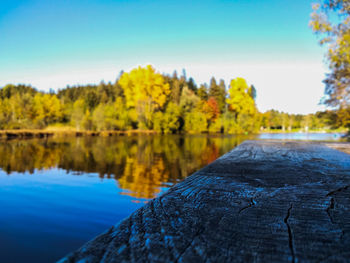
[329,208]
[338,190]
[290,235]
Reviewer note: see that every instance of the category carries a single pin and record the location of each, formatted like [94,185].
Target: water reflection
[58,193]
[141,165]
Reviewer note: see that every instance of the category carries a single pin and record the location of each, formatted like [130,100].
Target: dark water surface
[58,193]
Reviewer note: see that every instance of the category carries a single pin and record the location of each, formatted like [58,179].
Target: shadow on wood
[264,201]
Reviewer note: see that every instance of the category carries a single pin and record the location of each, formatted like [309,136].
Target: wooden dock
[265,201]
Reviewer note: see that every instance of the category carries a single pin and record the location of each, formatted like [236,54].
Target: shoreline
[36,133]
[301,131]
[27,134]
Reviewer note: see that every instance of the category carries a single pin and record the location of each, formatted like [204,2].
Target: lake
[58,193]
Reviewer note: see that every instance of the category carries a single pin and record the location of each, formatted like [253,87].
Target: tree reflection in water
[141,165]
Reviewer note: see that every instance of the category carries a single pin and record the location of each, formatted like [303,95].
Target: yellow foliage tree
[240,100]
[144,85]
[241,103]
[145,90]
[47,108]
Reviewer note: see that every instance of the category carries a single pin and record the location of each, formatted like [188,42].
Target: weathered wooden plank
[262,202]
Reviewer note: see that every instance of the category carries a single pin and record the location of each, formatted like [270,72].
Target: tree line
[147,100]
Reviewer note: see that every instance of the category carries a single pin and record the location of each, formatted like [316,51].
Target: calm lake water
[58,193]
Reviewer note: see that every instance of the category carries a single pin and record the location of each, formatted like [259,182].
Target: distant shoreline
[301,131]
[36,133]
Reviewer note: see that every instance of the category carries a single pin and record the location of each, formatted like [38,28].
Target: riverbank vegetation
[145,100]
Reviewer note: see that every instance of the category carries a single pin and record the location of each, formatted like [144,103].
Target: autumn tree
[331,21]
[47,109]
[218,92]
[211,109]
[240,100]
[146,91]
[241,103]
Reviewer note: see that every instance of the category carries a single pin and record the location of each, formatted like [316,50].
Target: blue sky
[51,44]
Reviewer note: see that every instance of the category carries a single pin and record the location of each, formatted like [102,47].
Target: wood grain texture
[264,201]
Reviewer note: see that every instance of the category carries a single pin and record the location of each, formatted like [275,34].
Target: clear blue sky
[51,44]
